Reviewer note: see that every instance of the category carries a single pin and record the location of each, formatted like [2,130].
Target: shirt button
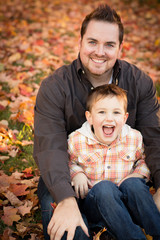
[92,88]
[109,148]
[108,167]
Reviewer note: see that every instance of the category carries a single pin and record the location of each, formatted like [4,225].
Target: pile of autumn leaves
[20,203]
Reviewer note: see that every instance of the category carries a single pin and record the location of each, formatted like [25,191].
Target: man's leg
[141,205]
[104,206]
[45,200]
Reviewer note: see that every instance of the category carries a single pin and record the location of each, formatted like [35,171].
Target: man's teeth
[98,60]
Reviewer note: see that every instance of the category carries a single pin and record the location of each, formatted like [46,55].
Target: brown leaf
[13,199]
[26,208]
[18,189]
[10,215]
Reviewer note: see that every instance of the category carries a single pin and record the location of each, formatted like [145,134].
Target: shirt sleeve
[50,140]
[140,165]
[73,150]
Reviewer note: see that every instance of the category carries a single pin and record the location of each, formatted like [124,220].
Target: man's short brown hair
[106,14]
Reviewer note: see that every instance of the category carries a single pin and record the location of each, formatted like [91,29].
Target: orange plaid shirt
[101,162]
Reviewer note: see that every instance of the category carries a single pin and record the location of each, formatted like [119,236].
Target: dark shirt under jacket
[59,110]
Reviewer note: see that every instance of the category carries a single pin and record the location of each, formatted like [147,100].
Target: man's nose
[100,50]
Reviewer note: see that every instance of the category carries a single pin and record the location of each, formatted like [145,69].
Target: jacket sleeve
[50,140]
[148,123]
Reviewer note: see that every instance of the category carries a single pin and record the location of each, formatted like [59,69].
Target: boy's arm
[140,168]
[79,180]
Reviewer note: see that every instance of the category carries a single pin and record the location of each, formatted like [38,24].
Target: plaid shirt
[101,162]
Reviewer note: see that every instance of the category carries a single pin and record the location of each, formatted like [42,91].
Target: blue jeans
[123,210]
[45,200]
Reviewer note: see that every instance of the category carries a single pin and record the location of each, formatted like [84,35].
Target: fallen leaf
[13,199]
[10,215]
[26,208]
[18,189]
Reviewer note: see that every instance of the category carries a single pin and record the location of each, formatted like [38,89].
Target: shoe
[106,236]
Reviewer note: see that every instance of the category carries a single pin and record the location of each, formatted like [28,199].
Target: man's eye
[92,42]
[109,45]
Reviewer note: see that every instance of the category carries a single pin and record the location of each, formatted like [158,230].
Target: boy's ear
[88,117]
[126,117]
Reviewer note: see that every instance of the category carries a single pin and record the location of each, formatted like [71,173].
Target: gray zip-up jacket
[60,108]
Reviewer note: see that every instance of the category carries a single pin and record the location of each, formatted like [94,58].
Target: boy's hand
[81,184]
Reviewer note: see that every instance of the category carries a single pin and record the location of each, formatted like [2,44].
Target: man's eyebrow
[93,39]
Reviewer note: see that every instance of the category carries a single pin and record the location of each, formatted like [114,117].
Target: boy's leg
[104,207]
[45,200]
[141,205]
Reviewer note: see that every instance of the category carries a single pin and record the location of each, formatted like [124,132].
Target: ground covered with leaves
[36,37]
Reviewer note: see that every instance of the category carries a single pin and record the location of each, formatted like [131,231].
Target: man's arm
[50,153]
[148,123]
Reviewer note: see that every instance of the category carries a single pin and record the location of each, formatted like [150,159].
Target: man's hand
[156,198]
[81,184]
[66,217]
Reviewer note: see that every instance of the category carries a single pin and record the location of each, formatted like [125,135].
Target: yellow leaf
[15,57]
[157,42]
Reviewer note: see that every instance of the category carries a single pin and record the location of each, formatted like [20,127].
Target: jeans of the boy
[123,211]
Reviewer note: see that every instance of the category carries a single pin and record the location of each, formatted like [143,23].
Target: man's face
[107,116]
[100,47]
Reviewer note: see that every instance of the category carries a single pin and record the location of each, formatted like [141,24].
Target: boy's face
[107,117]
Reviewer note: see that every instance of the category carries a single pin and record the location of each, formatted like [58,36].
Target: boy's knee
[105,190]
[133,185]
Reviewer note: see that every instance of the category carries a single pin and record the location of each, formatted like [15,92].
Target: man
[60,109]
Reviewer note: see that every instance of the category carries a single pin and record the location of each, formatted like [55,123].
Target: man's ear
[120,50]
[79,42]
[88,117]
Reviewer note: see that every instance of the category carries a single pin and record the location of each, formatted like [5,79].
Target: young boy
[107,157]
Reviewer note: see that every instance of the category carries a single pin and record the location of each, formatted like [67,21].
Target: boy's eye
[116,112]
[101,112]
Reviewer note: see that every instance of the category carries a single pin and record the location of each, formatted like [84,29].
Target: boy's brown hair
[103,91]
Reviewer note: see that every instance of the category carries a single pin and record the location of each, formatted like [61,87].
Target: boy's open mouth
[108,130]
